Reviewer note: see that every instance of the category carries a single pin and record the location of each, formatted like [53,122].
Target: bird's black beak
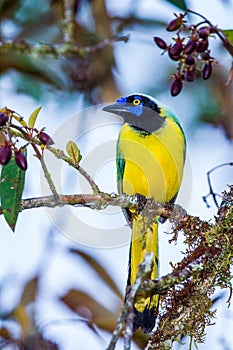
[115,108]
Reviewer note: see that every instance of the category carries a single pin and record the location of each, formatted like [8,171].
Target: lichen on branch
[186,306]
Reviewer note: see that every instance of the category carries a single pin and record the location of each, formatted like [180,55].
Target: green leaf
[11,190]
[19,119]
[33,117]
[228,34]
[73,151]
[179,3]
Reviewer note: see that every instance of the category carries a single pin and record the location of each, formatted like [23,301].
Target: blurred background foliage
[42,22]
[93,77]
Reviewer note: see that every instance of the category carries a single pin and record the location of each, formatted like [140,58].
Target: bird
[150,158]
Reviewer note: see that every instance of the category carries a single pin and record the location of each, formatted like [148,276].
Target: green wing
[120,164]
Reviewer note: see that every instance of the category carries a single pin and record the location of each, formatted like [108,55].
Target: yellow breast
[153,162]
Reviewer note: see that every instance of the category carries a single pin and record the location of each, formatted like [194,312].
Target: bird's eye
[136,102]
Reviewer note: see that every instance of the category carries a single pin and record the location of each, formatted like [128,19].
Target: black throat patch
[148,122]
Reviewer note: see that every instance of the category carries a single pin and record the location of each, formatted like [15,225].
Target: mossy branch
[56,50]
[70,45]
[185,293]
[98,201]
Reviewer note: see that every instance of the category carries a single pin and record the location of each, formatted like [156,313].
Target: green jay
[150,158]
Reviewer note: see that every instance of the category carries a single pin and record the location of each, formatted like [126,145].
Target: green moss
[187,306]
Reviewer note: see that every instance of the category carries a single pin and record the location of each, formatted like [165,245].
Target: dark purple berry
[174,57]
[5,154]
[160,43]
[204,32]
[21,160]
[190,46]
[190,60]
[189,75]
[3,119]
[206,70]
[202,45]
[45,139]
[174,24]
[176,86]
[176,49]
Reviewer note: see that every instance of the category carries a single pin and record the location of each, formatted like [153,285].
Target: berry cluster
[8,147]
[191,52]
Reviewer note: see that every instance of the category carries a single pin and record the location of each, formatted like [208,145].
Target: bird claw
[141,202]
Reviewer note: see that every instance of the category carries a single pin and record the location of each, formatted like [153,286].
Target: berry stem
[61,155]
[49,179]
[205,20]
[27,137]
[226,43]
[47,175]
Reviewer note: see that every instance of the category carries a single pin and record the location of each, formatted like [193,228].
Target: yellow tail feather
[144,240]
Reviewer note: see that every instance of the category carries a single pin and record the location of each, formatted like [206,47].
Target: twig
[143,269]
[61,155]
[211,191]
[69,21]
[58,154]
[107,42]
[226,43]
[117,331]
[127,314]
[48,177]
[163,284]
[96,201]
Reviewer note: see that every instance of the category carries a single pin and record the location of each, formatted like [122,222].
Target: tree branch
[56,50]
[98,201]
